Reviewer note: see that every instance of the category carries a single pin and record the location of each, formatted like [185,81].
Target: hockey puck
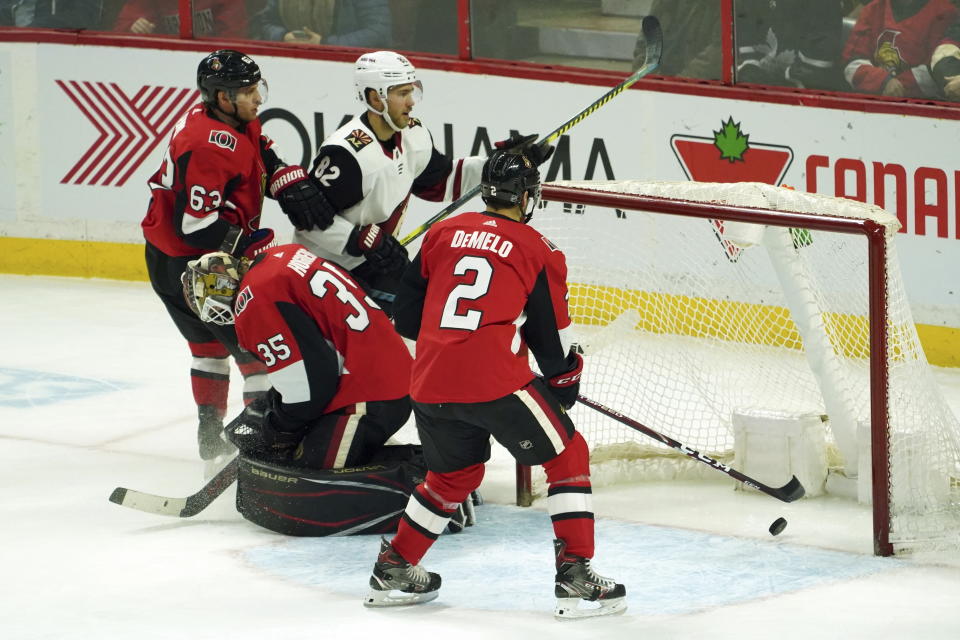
[778,525]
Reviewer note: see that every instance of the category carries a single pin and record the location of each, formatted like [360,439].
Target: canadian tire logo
[130,127]
[730,156]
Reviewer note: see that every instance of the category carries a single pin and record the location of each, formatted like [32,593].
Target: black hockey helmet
[505,177]
[225,70]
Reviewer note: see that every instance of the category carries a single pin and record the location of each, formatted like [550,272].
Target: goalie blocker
[343,502]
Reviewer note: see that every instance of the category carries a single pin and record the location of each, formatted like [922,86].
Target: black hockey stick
[650,42]
[789,492]
[179,507]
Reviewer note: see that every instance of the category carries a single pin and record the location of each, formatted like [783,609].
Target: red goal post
[749,291]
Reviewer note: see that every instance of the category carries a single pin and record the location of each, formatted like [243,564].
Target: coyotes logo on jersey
[359,139]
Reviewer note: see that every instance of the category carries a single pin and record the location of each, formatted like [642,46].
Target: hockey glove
[384,252]
[516,142]
[255,433]
[300,199]
[538,153]
[566,386]
[247,246]
[256,243]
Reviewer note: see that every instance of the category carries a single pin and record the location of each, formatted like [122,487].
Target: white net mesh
[681,329]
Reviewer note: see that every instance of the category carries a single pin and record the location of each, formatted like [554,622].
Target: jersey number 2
[481,284]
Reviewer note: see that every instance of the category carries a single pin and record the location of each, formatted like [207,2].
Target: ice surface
[94,394]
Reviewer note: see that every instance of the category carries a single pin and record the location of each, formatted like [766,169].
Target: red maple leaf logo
[730,156]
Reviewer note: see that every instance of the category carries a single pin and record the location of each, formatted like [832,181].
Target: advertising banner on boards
[102,120]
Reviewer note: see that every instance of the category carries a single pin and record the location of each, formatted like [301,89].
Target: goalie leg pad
[303,502]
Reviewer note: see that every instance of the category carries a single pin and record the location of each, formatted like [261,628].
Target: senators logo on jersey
[243,299]
[224,139]
[359,139]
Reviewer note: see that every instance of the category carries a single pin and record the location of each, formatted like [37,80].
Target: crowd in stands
[897,48]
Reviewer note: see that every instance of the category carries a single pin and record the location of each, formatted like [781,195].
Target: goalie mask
[228,70]
[380,71]
[210,286]
[506,176]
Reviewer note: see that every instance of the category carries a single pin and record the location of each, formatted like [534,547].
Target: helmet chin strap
[383,113]
[525,215]
[232,98]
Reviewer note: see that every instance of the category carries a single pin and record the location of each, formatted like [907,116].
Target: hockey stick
[179,507]
[789,492]
[651,38]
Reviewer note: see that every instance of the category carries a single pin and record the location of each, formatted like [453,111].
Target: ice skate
[210,437]
[215,450]
[397,582]
[580,592]
[465,514]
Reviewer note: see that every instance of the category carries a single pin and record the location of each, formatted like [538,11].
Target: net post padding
[682,325]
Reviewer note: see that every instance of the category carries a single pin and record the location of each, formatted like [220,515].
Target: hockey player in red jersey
[369,167]
[207,196]
[484,290]
[889,50]
[340,378]
[338,371]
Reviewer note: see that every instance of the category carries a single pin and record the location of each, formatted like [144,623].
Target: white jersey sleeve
[370,182]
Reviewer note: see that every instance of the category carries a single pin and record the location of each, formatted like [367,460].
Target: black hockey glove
[384,252]
[300,199]
[538,153]
[236,243]
[256,435]
[566,386]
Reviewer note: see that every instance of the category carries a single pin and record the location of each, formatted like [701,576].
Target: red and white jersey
[212,177]
[370,182]
[483,289]
[223,18]
[885,43]
[323,340]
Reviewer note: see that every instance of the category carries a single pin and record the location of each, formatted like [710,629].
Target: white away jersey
[370,182]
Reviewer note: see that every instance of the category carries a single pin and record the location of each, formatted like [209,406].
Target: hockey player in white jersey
[368,168]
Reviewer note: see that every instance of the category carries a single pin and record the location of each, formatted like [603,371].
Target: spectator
[64,14]
[691,39]
[227,18]
[789,44]
[945,63]
[359,23]
[891,45]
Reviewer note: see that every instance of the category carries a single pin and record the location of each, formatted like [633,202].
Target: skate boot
[215,450]
[578,587]
[210,437]
[465,515]
[395,581]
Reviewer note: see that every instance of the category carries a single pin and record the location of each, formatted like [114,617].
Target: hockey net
[693,301]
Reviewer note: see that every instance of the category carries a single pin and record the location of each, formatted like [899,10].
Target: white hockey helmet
[379,71]
[210,286]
